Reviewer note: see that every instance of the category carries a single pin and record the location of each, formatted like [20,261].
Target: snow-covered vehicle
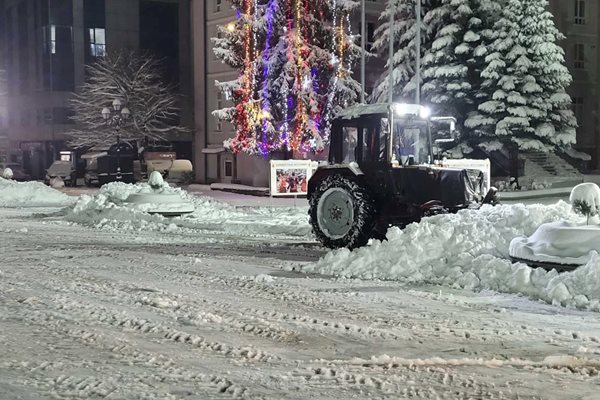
[382,171]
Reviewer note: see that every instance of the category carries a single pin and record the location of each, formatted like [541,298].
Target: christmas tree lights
[294,59]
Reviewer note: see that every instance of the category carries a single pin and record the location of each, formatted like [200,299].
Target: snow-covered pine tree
[525,80]
[404,59]
[452,66]
[294,58]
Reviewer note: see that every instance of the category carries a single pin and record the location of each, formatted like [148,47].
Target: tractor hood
[453,187]
[459,187]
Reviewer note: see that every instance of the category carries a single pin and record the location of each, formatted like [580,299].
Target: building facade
[47,44]
[577,19]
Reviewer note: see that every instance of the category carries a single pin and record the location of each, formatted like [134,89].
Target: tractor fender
[348,170]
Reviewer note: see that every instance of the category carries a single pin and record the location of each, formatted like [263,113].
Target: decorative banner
[290,177]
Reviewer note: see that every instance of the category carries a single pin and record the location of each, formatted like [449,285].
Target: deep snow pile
[108,209]
[470,250]
[559,243]
[31,194]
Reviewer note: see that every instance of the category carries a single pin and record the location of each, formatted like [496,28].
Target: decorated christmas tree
[294,58]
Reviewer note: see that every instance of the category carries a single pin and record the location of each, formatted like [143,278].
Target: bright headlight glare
[401,109]
[425,112]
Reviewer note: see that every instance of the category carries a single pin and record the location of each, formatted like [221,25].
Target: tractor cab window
[410,142]
[374,140]
[350,142]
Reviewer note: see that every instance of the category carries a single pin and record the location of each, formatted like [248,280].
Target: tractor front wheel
[342,212]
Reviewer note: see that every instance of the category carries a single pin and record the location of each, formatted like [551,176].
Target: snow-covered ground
[95,303]
[31,194]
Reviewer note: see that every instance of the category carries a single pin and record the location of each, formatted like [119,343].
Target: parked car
[19,173]
[117,166]
[63,170]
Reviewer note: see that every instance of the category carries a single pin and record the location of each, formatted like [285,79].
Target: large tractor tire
[342,213]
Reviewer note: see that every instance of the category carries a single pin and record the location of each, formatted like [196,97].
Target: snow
[88,313]
[559,243]
[470,250]
[7,173]
[31,194]
[587,193]
[108,209]
[213,306]
[156,180]
[578,154]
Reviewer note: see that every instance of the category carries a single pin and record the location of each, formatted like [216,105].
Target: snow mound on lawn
[470,250]
[31,194]
[558,242]
[108,210]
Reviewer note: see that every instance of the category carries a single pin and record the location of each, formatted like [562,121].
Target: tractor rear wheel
[342,212]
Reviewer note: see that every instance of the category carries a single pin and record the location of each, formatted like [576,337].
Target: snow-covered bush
[57,183]
[156,180]
[585,199]
[7,173]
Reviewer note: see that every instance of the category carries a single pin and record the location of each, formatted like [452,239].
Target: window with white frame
[97,42]
[580,12]
[579,56]
[218,4]
[52,42]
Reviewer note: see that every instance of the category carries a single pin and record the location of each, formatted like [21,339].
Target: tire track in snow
[144,385]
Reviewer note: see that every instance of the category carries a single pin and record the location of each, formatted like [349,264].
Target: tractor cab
[361,134]
[382,171]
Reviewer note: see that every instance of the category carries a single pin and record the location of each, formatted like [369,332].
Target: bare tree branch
[135,80]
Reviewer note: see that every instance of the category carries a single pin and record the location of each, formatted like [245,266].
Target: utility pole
[363,42]
[418,55]
[392,31]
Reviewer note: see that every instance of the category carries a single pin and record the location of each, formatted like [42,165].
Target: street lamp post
[117,118]
[363,41]
[392,31]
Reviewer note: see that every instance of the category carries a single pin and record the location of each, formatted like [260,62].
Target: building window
[52,42]
[219,127]
[219,36]
[578,109]
[580,12]
[370,34]
[228,168]
[97,42]
[579,57]
[218,5]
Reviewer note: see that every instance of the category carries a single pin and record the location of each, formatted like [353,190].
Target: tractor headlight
[425,112]
[401,109]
